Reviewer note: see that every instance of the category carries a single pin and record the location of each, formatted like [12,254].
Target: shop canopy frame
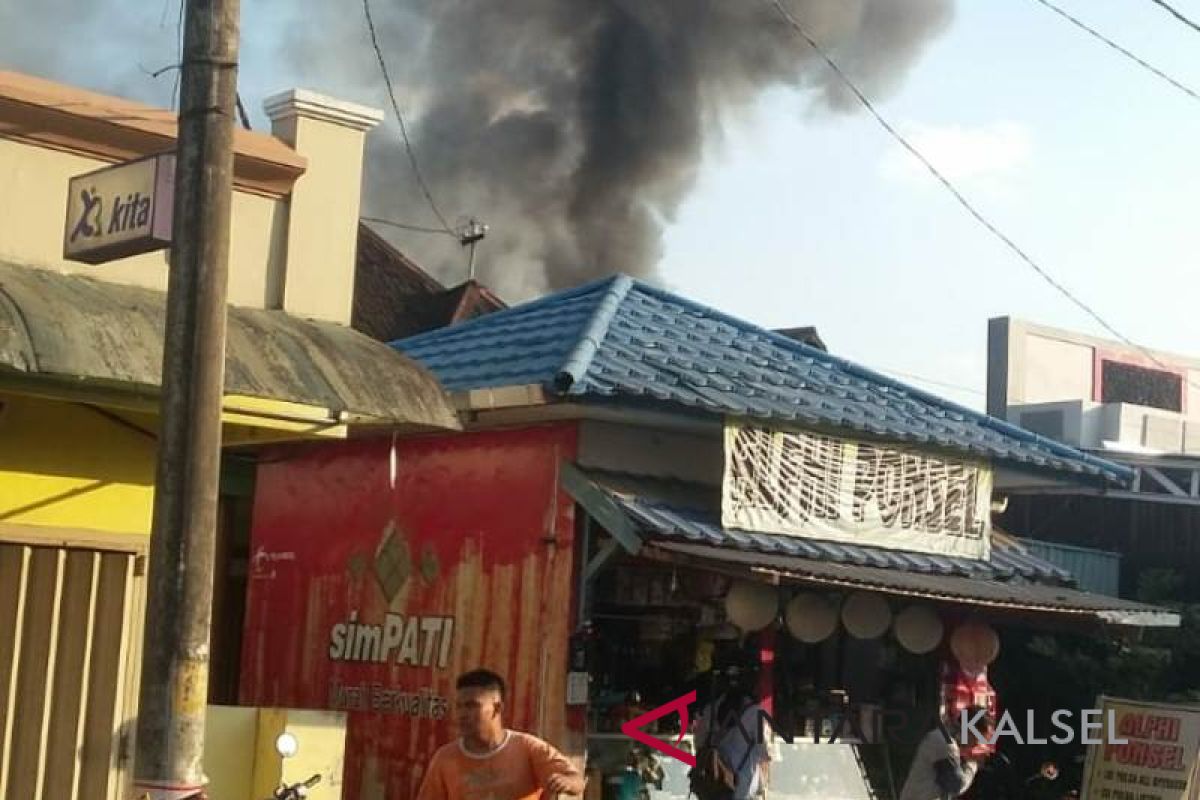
[671,522]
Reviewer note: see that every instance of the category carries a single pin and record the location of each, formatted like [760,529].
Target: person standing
[731,742]
[939,770]
[489,761]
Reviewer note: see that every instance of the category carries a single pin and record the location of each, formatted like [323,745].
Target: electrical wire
[954,191]
[241,110]
[409,227]
[931,381]
[1136,59]
[412,158]
[179,35]
[1176,13]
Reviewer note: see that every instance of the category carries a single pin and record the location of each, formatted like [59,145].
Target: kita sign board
[120,211]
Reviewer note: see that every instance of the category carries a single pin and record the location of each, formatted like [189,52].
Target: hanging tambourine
[866,615]
[751,606]
[811,618]
[975,645]
[919,629]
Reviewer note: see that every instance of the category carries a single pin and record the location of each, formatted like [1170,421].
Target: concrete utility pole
[174,688]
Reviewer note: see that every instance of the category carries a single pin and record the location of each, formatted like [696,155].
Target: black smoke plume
[574,128]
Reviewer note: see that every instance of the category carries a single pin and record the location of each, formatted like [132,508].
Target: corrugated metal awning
[83,331]
[671,510]
[1009,596]
[1095,570]
[1008,560]
[673,520]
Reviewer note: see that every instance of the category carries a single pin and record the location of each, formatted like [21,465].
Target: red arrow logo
[633,728]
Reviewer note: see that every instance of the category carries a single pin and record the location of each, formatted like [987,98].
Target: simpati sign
[1157,759]
[120,211]
[840,490]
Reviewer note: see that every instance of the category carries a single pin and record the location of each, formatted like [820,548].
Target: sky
[1088,162]
[806,216]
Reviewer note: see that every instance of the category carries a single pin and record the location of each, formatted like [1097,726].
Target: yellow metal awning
[76,337]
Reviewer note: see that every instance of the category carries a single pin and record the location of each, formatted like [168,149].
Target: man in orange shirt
[490,762]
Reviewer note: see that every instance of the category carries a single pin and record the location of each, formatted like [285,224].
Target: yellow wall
[240,759]
[33,207]
[230,737]
[65,465]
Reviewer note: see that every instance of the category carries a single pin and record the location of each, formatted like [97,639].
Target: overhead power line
[409,227]
[950,187]
[412,157]
[958,387]
[1131,56]
[178,52]
[241,109]
[1174,12]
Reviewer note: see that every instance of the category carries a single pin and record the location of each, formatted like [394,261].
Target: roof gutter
[533,404]
[236,409]
[1148,617]
[497,398]
[1132,618]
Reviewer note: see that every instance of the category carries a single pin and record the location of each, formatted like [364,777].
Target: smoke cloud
[573,128]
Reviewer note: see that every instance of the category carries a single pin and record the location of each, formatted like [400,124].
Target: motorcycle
[998,780]
[296,791]
[287,746]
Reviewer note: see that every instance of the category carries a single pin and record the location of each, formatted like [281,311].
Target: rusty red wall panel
[474,533]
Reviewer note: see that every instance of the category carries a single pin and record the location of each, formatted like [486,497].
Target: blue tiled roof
[1009,561]
[621,340]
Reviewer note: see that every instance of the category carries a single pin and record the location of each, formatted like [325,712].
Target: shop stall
[858,649]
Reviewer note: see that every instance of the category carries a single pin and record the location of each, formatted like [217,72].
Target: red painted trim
[766,674]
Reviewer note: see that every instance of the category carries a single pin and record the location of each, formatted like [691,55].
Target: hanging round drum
[919,629]
[975,645]
[811,618]
[751,606]
[866,615]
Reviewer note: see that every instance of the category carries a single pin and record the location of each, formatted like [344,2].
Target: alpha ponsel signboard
[824,487]
[1153,753]
[380,571]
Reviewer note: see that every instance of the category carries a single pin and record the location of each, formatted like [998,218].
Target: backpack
[712,778]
